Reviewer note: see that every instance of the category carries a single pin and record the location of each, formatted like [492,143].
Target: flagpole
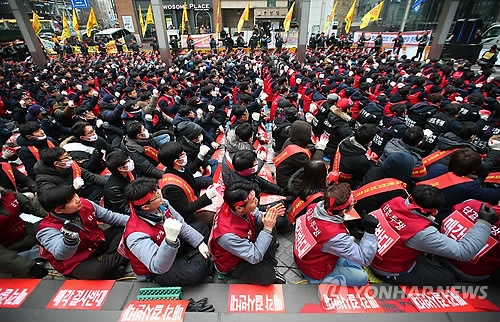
[405,17]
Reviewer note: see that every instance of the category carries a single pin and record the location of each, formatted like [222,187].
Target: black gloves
[70,233]
[200,306]
[38,271]
[487,213]
[370,222]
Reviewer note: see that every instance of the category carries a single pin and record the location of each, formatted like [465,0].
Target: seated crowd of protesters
[173,159]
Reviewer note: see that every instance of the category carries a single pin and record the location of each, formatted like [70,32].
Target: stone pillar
[303,7]
[26,28]
[161,30]
[444,24]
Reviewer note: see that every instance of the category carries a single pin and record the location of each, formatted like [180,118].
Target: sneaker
[280,279]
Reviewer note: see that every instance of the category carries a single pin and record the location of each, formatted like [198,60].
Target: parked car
[114,34]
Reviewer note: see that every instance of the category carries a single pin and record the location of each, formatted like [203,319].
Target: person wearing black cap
[282,124]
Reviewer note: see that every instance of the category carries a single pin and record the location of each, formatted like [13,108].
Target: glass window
[492,33]
[271,3]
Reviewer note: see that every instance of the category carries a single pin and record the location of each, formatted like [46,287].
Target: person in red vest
[412,218]
[18,250]
[160,245]
[458,182]
[297,152]
[11,178]
[239,248]
[180,188]
[487,264]
[72,241]
[32,140]
[324,251]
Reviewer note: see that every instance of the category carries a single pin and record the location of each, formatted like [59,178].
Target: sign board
[80,4]
[81,295]
[245,298]
[155,310]
[441,300]
[347,299]
[13,292]
[128,23]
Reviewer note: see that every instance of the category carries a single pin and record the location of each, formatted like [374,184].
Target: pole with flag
[288,19]
[37,26]
[141,21]
[184,18]
[348,18]
[244,16]
[149,20]
[371,15]
[92,22]
[330,17]
[66,33]
[74,24]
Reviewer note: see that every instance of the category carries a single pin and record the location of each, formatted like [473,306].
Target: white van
[489,38]
[114,34]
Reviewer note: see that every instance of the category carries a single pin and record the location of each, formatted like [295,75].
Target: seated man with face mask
[87,148]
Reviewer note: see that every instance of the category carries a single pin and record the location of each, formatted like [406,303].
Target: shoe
[280,279]
[200,306]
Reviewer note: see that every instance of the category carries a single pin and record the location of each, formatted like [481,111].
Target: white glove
[321,76]
[212,191]
[8,153]
[203,249]
[221,129]
[99,123]
[122,102]
[259,82]
[64,93]
[369,80]
[204,150]
[323,141]
[312,108]
[367,70]
[71,103]
[428,132]
[172,229]
[155,92]
[299,96]
[393,83]
[479,85]
[94,93]
[459,99]
[262,155]
[199,113]
[162,81]
[256,116]
[401,85]
[309,117]
[117,94]
[418,74]
[22,102]
[211,108]
[350,73]
[78,183]
[298,81]
[148,117]
[79,87]
[263,96]
[221,81]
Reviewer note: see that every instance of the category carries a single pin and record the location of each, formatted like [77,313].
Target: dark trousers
[420,52]
[262,273]
[104,263]
[425,273]
[189,267]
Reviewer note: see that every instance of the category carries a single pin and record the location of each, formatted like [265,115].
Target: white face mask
[40,138]
[91,138]
[66,164]
[130,166]
[145,134]
[255,168]
[184,160]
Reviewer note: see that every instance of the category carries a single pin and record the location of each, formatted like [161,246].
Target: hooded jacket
[354,160]
[338,127]
[144,165]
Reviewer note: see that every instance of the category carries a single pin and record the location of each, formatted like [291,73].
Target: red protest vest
[156,233]
[438,155]
[225,221]
[315,263]
[493,177]
[172,179]
[12,225]
[335,175]
[90,240]
[151,153]
[289,151]
[9,172]
[400,258]
[490,261]
[445,181]
[36,153]
[378,187]
[299,205]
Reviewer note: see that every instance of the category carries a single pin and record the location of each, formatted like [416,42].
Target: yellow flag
[244,16]
[288,18]
[371,15]
[218,24]
[37,26]
[66,33]
[350,15]
[184,18]
[92,22]
[330,18]
[74,24]
[149,16]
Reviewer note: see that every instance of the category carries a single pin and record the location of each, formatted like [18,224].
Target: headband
[250,196]
[144,199]
[332,207]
